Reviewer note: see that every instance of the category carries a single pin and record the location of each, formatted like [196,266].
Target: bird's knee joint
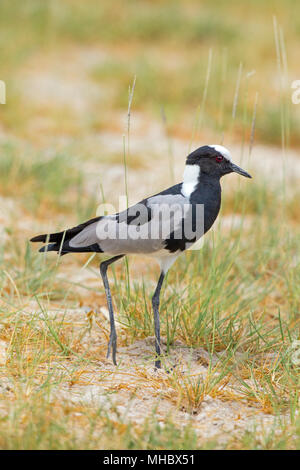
[103,268]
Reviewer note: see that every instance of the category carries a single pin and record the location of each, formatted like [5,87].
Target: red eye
[219,159]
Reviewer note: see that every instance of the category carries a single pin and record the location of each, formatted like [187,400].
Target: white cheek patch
[223,151]
[190,179]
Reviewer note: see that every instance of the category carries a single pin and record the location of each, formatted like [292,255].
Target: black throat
[208,193]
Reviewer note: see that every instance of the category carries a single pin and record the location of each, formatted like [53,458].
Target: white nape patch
[190,179]
[223,151]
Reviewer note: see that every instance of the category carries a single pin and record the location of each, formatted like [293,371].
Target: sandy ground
[132,391]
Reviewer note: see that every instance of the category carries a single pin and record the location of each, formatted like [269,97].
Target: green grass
[44,181]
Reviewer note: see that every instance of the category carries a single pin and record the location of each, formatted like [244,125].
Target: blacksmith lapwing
[161,226]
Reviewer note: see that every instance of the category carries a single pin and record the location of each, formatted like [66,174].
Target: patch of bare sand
[61,79]
[134,392]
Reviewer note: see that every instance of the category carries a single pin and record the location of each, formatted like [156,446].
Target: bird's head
[214,160]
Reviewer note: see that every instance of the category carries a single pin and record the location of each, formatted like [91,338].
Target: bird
[161,226]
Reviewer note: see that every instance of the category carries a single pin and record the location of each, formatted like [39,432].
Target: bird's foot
[112,345]
[168,370]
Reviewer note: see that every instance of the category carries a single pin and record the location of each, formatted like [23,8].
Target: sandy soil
[132,390]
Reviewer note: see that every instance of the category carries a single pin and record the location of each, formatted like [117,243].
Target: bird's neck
[194,178]
[191,178]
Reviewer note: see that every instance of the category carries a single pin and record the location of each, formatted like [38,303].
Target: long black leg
[155,305]
[112,344]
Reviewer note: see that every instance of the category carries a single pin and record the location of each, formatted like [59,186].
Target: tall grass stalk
[201,109]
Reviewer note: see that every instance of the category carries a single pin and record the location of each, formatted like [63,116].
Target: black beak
[239,170]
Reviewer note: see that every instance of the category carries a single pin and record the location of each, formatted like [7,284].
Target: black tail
[59,241]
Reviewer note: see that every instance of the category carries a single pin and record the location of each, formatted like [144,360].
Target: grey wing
[142,228]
